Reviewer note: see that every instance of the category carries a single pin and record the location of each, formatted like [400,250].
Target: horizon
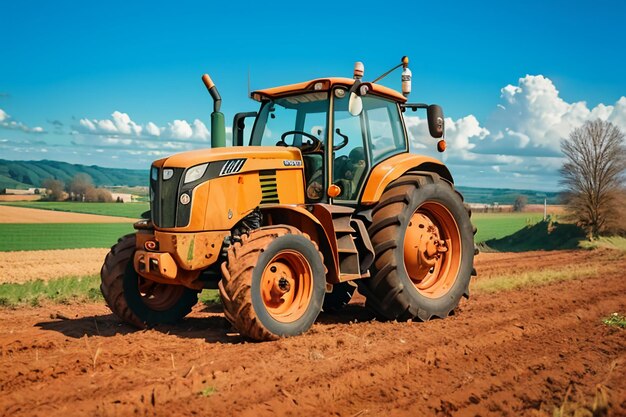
[127,90]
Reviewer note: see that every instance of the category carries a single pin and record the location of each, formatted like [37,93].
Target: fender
[303,220]
[393,168]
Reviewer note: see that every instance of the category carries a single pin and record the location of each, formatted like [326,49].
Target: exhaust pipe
[218,127]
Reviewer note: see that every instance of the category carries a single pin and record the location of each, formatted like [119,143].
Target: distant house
[30,191]
[126,198]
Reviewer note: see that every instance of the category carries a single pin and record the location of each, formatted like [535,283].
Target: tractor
[321,197]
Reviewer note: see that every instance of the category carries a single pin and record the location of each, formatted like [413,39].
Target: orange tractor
[323,197]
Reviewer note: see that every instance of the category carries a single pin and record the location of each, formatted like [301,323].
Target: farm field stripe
[129,210]
[44,236]
[24,266]
[10,214]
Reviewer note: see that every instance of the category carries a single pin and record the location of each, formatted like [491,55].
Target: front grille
[164,197]
[269,189]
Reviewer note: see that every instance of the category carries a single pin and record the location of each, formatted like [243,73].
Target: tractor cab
[338,148]
[343,128]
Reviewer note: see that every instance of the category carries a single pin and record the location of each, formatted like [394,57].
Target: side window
[350,160]
[385,128]
[279,120]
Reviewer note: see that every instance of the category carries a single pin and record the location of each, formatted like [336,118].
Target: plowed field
[511,353]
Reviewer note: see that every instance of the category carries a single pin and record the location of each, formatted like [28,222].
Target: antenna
[404,62]
[249,96]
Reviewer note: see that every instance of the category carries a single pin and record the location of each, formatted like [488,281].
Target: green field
[68,290]
[45,236]
[132,210]
[499,225]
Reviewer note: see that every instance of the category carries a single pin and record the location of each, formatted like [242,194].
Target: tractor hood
[259,153]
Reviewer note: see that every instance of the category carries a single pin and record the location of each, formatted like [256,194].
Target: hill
[504,196]
[25,174]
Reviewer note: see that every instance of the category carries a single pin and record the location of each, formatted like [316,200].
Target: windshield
[303,115]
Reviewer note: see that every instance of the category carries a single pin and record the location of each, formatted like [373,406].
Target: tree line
[80,188]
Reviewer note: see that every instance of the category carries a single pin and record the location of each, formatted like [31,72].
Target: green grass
[45,236]
[61,291]
[208,391]
[547,235]
[210,297]
[67,290]
[499,225]
[532,278]
[615,320]
[132,210]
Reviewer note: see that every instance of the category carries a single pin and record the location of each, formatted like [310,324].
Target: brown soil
[9,197]
[508,354]
[9,214]
[19,267]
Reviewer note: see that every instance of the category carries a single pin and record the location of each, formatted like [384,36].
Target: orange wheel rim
[287,286]
[159,297]
[432,249]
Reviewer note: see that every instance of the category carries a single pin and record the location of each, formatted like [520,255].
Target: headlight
[167,174]
[195,173]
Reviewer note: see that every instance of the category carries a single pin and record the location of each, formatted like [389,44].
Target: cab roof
[327,84]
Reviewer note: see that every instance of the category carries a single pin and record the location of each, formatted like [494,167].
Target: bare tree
[520,203]
[55,189]
[80,186]
[593,174]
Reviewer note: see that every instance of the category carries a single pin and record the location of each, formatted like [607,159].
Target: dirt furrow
[514,353]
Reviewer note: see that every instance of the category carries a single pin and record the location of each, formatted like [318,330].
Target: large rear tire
[424,249]
[137,301]
[273,283]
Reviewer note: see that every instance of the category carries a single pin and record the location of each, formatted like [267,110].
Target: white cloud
[7,123]
[124,125]
[521,139]
[532,118]
[200,131]
[153,129]
[120,124]
[180,129]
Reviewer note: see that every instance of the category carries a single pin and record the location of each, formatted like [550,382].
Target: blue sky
[86,84]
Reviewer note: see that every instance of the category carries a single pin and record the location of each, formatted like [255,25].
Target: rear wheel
[423,241]
[273,283]
[136,300]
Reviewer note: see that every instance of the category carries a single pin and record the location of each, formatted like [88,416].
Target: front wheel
[273,283]
[136,300]
[423,241]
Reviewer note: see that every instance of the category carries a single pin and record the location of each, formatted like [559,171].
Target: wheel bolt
[283,284]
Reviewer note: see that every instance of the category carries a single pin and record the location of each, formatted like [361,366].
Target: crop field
[130,210]
[526,343]
[42,236]
[498,225]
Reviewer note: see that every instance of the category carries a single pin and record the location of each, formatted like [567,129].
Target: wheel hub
[286,286]
[423,247]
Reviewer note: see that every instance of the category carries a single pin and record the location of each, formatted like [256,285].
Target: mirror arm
[413,106]
[239,126]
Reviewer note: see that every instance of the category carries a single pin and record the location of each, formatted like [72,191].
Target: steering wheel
[342,144]
[314,146]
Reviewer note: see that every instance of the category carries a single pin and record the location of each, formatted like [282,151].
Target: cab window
[385,128]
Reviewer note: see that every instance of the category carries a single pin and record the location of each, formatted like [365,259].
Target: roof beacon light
[359,70]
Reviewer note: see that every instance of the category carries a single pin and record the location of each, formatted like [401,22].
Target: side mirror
[435,121]
[355,105]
